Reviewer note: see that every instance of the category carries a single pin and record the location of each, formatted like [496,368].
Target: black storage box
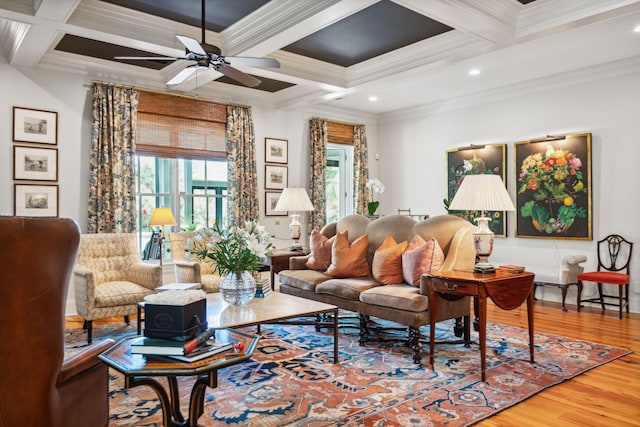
[181,322]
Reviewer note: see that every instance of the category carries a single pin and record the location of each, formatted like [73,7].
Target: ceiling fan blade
[147,58]
[252,62]
[182,76]
[239,76]
[191,44]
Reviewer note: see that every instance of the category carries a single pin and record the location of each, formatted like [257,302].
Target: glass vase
[238,288]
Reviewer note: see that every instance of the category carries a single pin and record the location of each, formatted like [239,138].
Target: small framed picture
[270,201]
[35,200]
[35,164]
[36,126]
[275,177]
[275,150]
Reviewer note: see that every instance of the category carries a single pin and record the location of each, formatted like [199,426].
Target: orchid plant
[374,186]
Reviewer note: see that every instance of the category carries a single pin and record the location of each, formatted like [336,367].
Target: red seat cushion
[605,277]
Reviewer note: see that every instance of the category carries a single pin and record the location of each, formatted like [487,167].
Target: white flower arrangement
[375,186]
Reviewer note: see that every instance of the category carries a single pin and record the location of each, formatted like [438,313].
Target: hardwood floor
[608,395]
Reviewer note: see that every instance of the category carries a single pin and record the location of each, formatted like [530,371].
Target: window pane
[147,172]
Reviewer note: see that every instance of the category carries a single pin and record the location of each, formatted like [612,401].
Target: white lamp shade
[483,192]
[162,216]
[294,200]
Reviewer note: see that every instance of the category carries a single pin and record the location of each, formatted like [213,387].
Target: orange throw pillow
[320,246]
[349,260]
[387,261]
[420,258]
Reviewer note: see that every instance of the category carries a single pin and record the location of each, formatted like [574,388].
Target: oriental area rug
[290,380]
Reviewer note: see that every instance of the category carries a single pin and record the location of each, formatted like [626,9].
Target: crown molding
[611,70]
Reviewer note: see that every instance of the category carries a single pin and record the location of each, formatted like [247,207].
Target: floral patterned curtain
[318,139]
[241,160]
[112,197]
[360,169]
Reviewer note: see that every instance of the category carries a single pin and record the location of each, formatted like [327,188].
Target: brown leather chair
[37,386]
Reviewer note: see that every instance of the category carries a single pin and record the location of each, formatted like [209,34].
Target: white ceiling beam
[492,20]
[29,47]
[282,22]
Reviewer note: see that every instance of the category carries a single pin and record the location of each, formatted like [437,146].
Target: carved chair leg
[579,294]
[414,342]
[364,329]
[601,295]
[126,319]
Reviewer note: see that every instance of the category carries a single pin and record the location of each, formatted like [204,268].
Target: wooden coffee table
[140,370]
[276,308]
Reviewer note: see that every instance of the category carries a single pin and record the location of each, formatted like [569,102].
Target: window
[339,182]
[194,190]
[181,162]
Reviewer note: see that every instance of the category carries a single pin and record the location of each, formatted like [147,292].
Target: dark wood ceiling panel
[267,85]
[220,13]
[103,50]
[378,29]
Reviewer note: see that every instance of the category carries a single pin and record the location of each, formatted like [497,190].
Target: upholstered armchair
[37,386]
[110,279]
[192,270]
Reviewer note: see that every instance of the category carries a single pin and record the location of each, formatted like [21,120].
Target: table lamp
[482,193]
[162,217]
[294,200]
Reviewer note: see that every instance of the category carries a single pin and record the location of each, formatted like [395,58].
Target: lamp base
[484,268]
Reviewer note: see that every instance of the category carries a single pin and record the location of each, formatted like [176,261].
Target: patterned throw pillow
[387,261]
[349,260]
[320,257]
[419,258]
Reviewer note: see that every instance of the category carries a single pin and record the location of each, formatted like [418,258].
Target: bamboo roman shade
[340,133]
[178,126]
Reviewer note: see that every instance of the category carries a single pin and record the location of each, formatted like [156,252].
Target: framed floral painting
[553,182]
[473,160]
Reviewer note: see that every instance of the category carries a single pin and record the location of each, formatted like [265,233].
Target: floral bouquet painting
[553,191]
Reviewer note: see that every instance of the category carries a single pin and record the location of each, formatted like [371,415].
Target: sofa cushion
[320,256]
[346,288]
[420,258]
[119,293]
[403,297]
[387,261]
[349,260]
[306,280]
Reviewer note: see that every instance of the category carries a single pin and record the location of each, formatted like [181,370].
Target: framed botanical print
[275,151]
[38,126]
[553,182]
[275,177]
[35,200]
[473,160]
[35,164]
[270,201]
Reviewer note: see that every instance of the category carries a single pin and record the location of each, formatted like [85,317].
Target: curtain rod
[142,89]
[338,121]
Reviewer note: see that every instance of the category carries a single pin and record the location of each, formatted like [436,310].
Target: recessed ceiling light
[373,98]
[474,71]
[636,29]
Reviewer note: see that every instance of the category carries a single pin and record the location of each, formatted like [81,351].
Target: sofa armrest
[187,271]
[298,262]
[83,361]
[84,284]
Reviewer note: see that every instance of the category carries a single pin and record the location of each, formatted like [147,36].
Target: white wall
[70,96]
[413,162]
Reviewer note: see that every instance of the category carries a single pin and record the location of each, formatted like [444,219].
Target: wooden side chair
[614,257]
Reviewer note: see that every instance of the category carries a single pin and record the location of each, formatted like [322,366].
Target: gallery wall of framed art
[276,158]
[34,161]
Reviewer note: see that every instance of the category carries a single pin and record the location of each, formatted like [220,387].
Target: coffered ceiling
[407,53]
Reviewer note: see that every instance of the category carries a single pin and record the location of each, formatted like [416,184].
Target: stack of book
[203,346]
[263,288]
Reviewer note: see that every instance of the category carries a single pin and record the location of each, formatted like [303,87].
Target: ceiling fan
[205,56]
